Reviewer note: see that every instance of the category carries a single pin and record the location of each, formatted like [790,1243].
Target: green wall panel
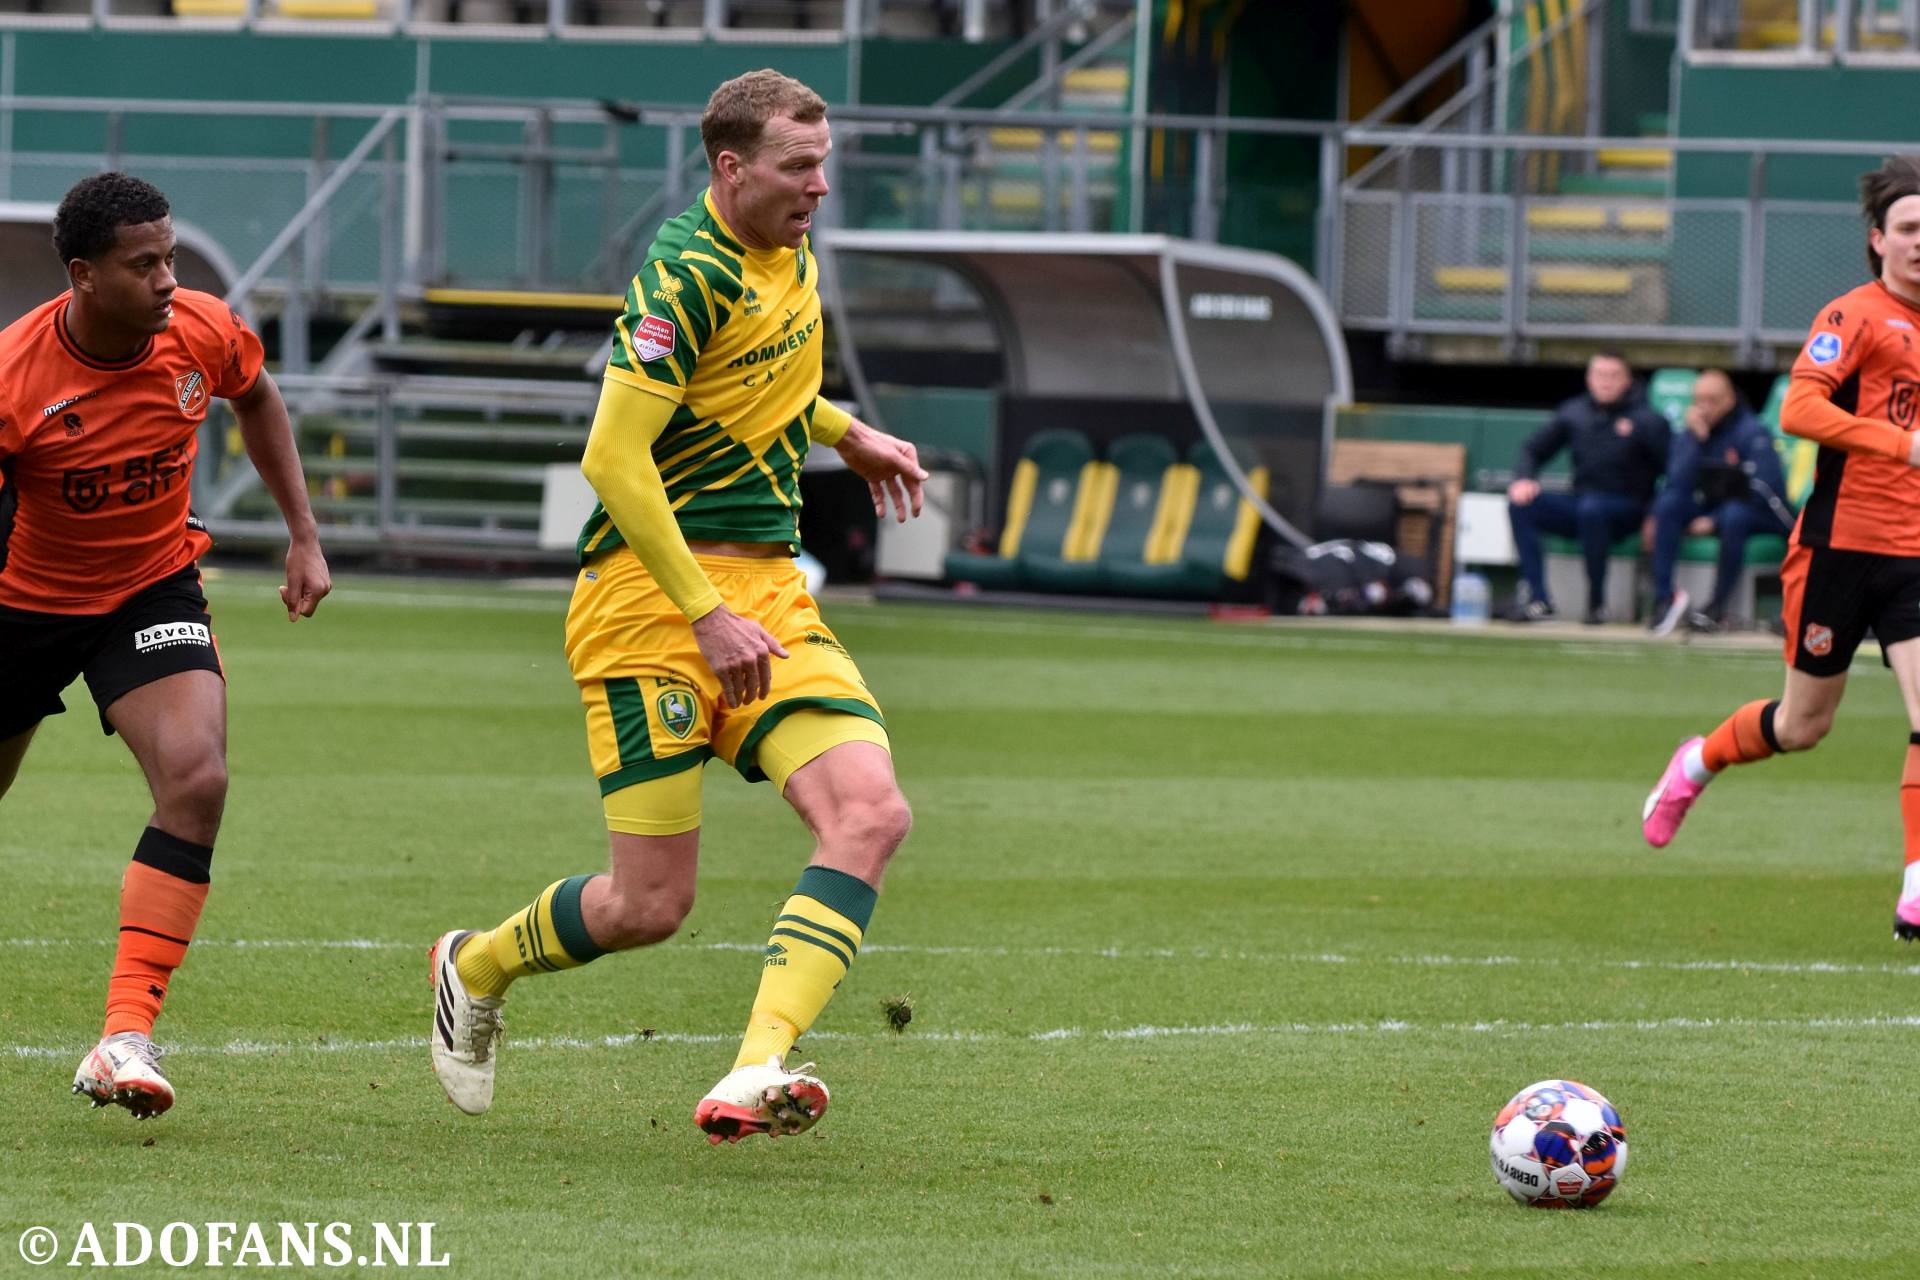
[1810,257]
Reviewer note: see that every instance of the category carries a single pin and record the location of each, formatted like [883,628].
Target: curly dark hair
[1896,178]
[89,219]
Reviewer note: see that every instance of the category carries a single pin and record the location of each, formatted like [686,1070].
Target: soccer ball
[1559,1145]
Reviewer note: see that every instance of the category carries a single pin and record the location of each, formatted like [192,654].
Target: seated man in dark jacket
[1619,447]
[1724,477]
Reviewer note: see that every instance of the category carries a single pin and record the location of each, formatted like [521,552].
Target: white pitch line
[1209,1031]
[1818,968]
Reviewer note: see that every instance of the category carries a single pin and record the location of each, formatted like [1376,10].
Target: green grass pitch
[1224,945]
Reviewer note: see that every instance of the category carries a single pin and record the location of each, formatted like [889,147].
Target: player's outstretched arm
[889,465]
[268,434]
[1810,413]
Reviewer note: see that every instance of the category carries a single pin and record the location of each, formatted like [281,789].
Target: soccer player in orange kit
[1854,559]
[103,391]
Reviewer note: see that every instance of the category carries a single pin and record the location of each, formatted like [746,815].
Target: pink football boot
[1671,797]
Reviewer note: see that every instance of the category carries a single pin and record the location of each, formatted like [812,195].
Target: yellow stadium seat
[358,10]
[1636,158]
[1643,219]
[1014,139]
[1590,280]
[1566,217]
[1582,280]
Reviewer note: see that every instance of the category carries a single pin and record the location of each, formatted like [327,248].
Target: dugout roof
[1140,317]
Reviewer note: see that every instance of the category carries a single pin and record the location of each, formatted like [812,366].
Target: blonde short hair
[737,113]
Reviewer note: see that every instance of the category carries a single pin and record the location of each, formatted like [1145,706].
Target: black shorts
[163,630]
[1832,598]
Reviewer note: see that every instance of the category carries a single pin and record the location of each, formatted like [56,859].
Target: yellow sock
[546,937]
[812,946]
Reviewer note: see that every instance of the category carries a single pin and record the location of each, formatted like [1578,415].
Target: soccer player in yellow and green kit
[691,633]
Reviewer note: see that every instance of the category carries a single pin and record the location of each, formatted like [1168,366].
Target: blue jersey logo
[1824,349]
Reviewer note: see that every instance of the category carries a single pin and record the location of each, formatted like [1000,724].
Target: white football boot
[124,1068]
[466,1029]
[762,1097]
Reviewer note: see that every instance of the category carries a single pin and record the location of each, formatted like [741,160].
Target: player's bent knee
[196,788]
[1800,733]
[642,919]
[876,826]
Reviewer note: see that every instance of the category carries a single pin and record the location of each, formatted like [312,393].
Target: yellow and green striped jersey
[732,336]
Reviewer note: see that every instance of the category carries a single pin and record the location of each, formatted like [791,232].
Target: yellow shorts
[653,705]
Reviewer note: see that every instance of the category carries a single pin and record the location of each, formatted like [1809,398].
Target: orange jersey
[1862,355]
[96,459]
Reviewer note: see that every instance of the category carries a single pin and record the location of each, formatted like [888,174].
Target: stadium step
[1014,149]
[1612,184]
[1547,311]
[1589,217]
[566,358]
[1097,88]
[542,436]
[540,300]
[1598,249]
[1782,34]
[484,470]
[1566,217]
[329,10]
[1563,280]
[498,511]
[1018,195]
[1642,158]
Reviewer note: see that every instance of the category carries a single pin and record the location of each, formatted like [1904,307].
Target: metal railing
[412,463]
[555,194]
[1817,31]
[760,21]
[1741,268]
[1533,69]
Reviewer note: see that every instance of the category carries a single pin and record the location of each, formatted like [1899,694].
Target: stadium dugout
[1110,336]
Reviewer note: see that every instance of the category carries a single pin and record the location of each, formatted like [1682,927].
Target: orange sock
[160,901]
[1745,736]
[1910,799]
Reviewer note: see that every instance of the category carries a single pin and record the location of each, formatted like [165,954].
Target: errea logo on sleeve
[169,634]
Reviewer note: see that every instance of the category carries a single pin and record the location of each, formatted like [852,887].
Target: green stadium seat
[1206,545]
[1055,485]
[1770,411]
[1133,505]
[1670,391]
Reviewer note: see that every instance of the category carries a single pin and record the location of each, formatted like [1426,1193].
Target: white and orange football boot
[124,1069]
[762,1097]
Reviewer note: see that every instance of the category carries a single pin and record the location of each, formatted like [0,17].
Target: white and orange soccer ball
[1559,1145]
